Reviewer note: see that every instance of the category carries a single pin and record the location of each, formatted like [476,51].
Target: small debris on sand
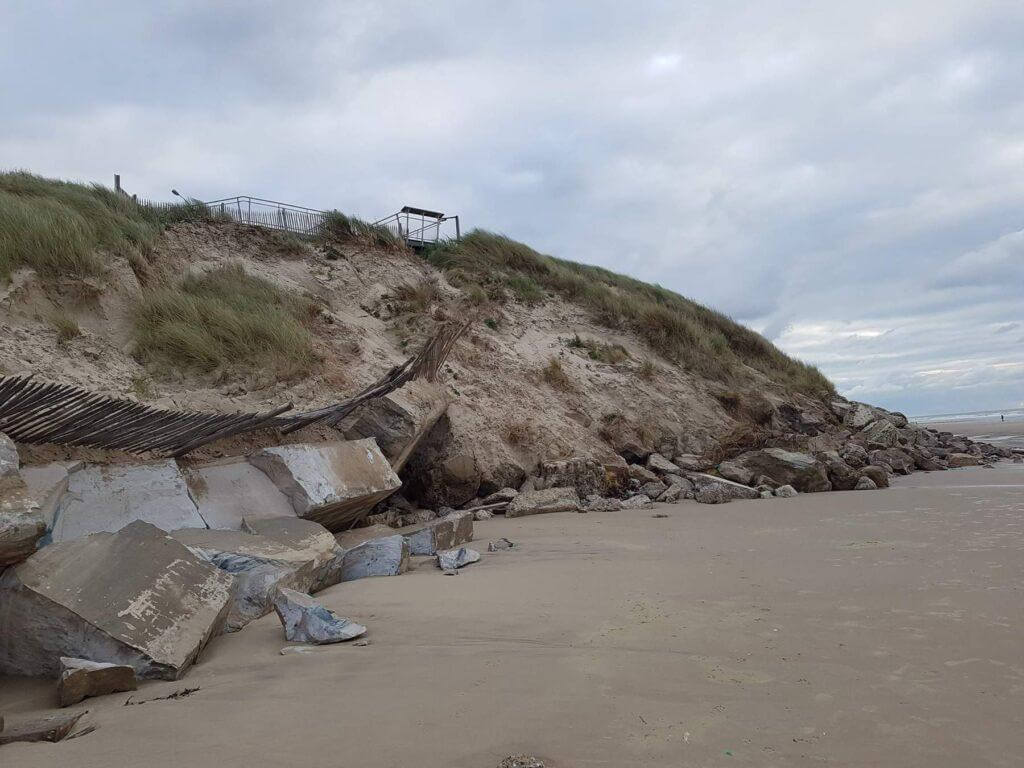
[521,761]
[659,515]
[500,545]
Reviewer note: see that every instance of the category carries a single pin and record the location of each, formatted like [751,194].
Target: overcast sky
[847,178]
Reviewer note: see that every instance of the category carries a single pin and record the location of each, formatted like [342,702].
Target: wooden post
[117,182]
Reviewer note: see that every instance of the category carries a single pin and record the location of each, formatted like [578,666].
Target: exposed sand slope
[841,629]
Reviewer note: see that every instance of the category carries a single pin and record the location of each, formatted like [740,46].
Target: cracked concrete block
[136,597]
[229,490]
[334,484]
[107,498]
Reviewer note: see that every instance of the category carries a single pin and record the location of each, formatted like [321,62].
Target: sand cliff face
[507,411]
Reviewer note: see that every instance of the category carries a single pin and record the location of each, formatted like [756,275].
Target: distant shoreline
[1007,434]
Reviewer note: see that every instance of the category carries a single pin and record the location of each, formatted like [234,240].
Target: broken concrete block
[41,728]
[334,484]
[81,679]
[454,559]
[135,597]
[385,556]
[229,490]
[263,564]
[598,504]
[500,545]
[9,463]
[306,621]
[543,502]
[107,498]
[444,533]
[785,492]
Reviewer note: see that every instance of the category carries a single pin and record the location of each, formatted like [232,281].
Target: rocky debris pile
[305,620]
[81,679]
[808,447]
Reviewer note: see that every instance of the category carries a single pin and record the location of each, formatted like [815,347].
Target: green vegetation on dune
[700,339]
[226,319]
[63,229]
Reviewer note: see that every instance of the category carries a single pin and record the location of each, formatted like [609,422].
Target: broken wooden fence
[34,411]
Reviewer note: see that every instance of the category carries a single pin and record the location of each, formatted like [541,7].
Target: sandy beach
[842,629]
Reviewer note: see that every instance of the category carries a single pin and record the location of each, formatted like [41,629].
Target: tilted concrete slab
[334,484]
[229,490]
[135,597]
[263,564]
[396,421]
[107,498]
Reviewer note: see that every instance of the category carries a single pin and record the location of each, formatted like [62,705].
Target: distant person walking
[1001,417]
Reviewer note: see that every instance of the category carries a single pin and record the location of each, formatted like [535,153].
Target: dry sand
[846,629]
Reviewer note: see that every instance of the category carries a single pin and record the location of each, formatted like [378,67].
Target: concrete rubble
[135,597]
[454,559]
[307,621]
[268,555]
[81,679]
[333,484]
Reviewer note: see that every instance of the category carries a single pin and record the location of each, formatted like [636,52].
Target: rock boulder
[800,470]
[543,502]
[307,621]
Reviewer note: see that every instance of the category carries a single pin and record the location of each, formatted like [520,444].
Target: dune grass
[340,228]
[696,337]
[226,319]
[64,229]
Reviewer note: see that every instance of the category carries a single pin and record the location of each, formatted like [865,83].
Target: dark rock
[878,475]
[585,475]
[800,470]
[543,502]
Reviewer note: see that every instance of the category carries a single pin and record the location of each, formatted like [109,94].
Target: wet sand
[879,628]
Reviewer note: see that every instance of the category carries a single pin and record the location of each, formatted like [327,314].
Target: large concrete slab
[396,422]
[333,484]
[107,498]
[232,489]
[135,597]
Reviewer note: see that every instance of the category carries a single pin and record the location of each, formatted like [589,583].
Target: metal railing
[269,214]
[420,228]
